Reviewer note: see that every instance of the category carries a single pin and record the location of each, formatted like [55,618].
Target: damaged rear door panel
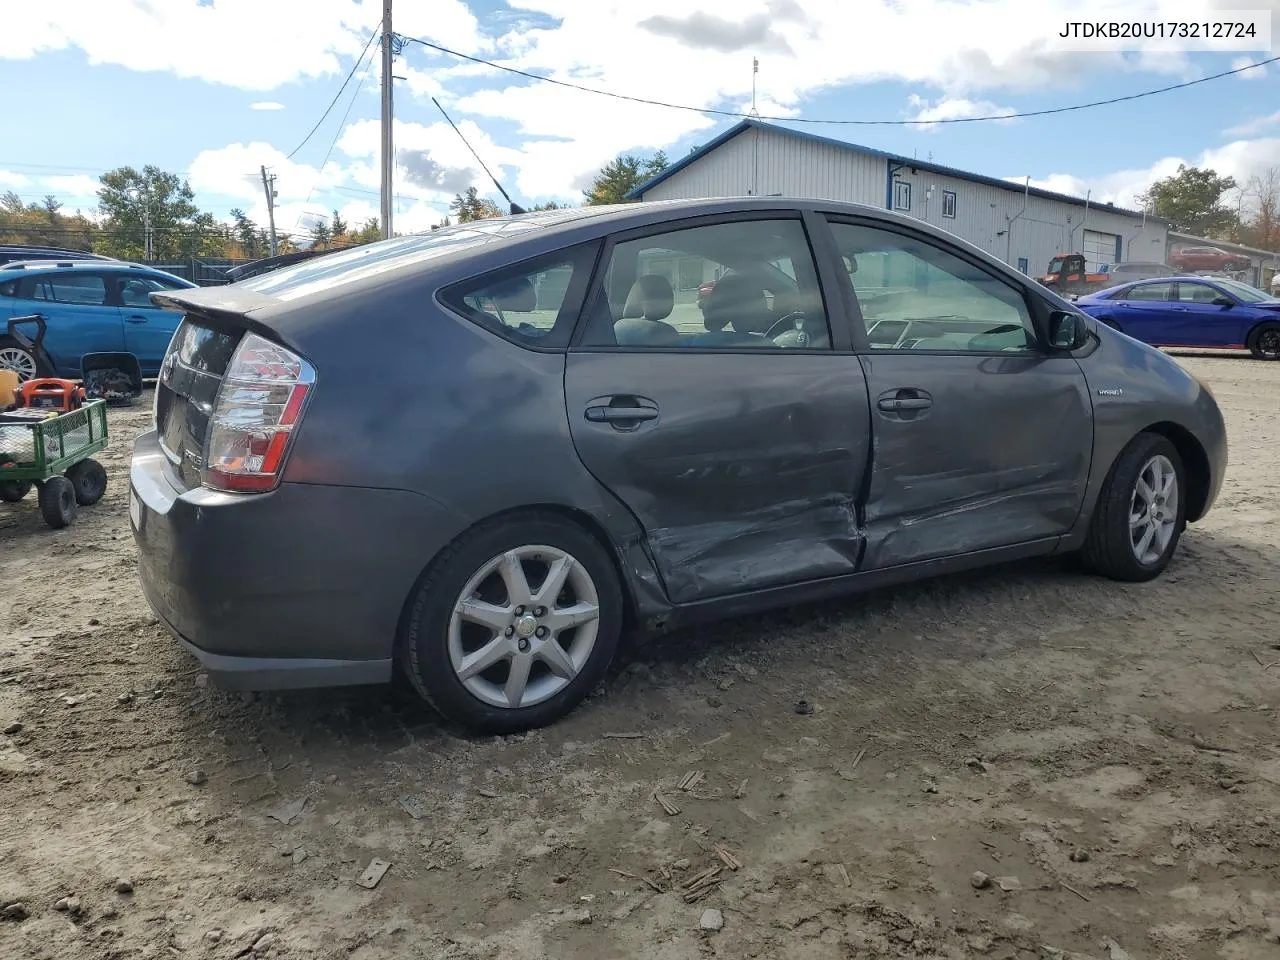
[742,463]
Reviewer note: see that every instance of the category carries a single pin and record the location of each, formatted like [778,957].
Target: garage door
[1099,248]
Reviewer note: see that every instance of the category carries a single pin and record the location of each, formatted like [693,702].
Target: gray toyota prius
[482,454]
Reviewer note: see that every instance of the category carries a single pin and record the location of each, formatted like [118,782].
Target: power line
[336,134]
[866,123]
[368,43]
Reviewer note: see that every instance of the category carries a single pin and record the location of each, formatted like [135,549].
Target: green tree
[321,234]
[1191,200]
[549,205]
[471,206]
[252,239]
[620,176]
[43,224]
[338,228]
[131,201]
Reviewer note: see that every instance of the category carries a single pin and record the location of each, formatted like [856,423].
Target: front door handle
[620,414]
[906,400]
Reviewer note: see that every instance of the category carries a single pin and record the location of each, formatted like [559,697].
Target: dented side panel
[1000,457]
[749,475]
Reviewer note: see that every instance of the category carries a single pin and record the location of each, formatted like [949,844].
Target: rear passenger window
[82,288]
[534,303]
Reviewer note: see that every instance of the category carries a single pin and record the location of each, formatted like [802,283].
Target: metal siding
[799,167]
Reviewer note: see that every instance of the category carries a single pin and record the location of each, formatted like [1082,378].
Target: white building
[1024,226]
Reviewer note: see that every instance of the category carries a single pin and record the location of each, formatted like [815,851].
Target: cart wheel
[89,477]
[11,491]
[58,502]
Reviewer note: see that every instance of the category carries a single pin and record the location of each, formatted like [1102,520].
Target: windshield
[1055,265]
[1243,291]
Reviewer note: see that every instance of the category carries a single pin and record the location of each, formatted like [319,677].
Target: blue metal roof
[743,125]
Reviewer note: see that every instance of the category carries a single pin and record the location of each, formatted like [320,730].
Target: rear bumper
[300,587]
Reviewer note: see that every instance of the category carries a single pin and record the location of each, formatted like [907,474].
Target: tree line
[151,211]
[136,206]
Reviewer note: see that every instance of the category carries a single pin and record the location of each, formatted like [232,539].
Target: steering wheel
[780,327]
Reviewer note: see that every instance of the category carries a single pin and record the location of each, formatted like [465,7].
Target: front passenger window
[914,295]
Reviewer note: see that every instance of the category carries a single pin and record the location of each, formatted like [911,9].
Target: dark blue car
[88,307]
[1191,312]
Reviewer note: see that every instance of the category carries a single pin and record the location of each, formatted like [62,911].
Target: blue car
[88,307]
[1191,312]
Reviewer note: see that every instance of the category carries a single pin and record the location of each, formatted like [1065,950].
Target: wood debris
[844,874]
[622,736]
[1067,886]
[669,808]
[635,876]
[691,780]
[728,859]
[702,884]
[490,794]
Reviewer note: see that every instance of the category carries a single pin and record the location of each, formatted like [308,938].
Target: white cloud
[74,187]
[958,108]
[266,105]
[1256,73]
[10,178]
[1253,126]
[241,43]
[1240,159]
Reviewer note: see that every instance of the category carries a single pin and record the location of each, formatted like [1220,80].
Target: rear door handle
[135,318]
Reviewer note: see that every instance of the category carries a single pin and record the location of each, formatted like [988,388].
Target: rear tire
[89,478]
[1140,513]
[542,656]
[58,502]
[13,491]
[1264,341]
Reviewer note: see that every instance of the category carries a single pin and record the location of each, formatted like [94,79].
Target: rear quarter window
[9,288]
[533,303]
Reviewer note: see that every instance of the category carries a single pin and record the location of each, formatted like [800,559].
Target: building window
[949,204]
[902,195]
[1022,264]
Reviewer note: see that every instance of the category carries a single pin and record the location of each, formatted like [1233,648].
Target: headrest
[651,297]
[738,299]
[515,296]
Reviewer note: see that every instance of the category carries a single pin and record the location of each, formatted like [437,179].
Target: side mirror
[1221,301]
[1067,331]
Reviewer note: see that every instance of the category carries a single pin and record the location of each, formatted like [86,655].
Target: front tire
[1140,514]
[58,502]
[514,624]
[20,360]
[1264,342]
[13,491]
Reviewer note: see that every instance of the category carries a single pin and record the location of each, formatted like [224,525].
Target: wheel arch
[579,518]
[1195,464]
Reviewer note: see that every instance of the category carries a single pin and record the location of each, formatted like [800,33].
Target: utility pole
[388,157]
[269,187]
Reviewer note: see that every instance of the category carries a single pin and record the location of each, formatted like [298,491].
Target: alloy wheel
[19,361]
[1153,510]
[514,645]
[1269,344]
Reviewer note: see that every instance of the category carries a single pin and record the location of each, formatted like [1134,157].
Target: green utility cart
[53,454]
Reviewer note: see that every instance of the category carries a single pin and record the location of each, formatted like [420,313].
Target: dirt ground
[1106,755]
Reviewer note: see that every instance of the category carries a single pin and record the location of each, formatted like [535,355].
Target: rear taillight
[259,405]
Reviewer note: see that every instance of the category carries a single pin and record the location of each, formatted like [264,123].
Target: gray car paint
[422,425]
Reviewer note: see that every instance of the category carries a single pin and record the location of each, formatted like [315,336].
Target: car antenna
[515,208]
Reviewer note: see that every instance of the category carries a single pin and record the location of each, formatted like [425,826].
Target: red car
[1207,258]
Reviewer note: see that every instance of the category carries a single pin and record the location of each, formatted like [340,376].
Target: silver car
[478,456]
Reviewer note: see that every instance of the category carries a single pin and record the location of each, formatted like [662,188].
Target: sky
[215,89]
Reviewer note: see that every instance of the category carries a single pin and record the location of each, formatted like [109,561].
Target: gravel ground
[1023,762]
